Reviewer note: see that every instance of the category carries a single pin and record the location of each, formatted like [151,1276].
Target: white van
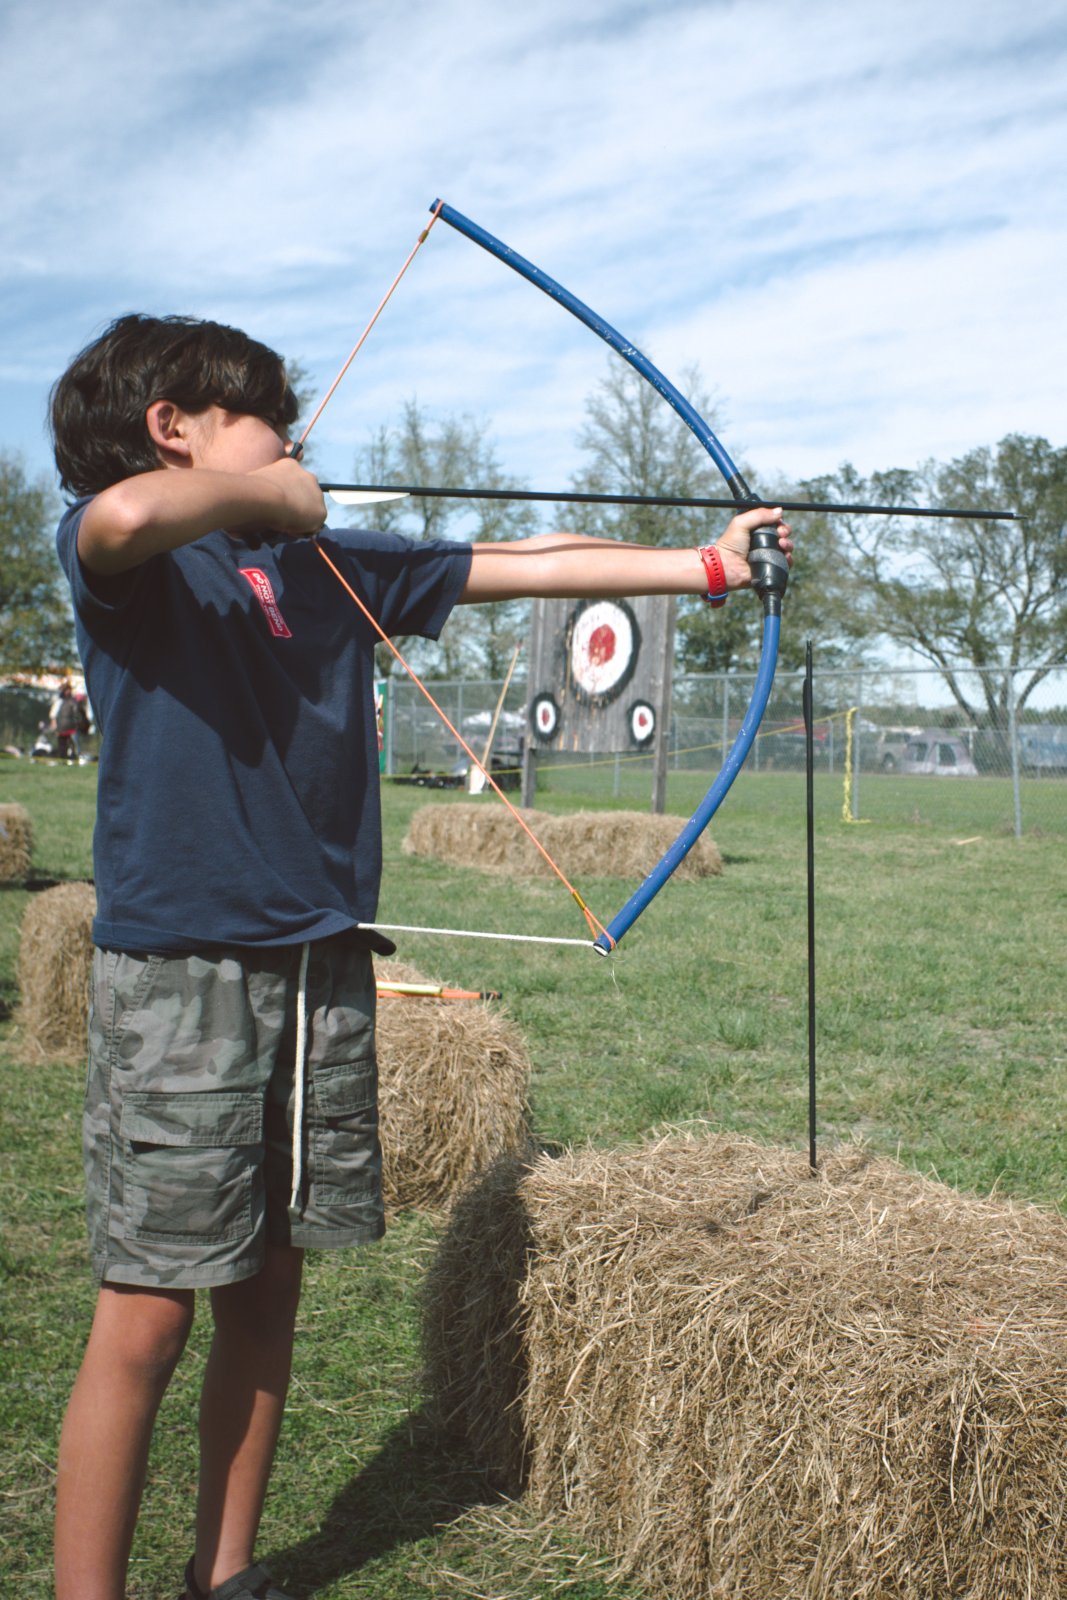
[938,754]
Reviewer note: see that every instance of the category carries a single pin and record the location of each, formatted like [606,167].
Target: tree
[36,628]
[451,453]
[982,595]
[635,444]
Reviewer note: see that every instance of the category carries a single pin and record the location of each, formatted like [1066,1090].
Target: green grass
[941,1041]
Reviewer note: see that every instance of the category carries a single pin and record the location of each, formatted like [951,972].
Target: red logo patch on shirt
[261,588]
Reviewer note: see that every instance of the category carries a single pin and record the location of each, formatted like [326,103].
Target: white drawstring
[300,1073]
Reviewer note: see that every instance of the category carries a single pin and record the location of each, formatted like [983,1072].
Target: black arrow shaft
[703,502]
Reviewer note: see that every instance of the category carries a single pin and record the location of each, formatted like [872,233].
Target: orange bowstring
[594,926]
[357,347]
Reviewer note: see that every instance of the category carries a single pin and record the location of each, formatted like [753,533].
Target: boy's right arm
[158,511]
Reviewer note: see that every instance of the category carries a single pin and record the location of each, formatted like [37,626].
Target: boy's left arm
[571,567]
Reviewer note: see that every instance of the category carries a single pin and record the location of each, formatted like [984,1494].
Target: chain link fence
[901,749]
[898,739]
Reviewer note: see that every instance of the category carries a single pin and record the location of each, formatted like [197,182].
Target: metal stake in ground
[809,747]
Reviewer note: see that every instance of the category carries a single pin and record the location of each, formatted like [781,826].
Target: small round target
[544,717]
[642,722]
[602,646]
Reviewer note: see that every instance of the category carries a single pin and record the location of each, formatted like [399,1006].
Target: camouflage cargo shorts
[190,1104]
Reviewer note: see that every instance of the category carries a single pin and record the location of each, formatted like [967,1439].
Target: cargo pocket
[189,1166]
[346,1159]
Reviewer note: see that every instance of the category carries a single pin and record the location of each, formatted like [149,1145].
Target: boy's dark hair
[98,406]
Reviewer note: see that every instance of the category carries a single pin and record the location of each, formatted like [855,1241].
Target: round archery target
[544,717]
[642,722]
[602,648]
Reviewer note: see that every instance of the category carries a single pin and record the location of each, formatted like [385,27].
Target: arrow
[431,991]
[351,494]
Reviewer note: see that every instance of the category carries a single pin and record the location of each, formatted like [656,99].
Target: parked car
[884,747]
[791,749]
[938,754]
[1043,749]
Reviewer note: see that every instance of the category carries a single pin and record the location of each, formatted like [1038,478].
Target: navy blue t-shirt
[233,684]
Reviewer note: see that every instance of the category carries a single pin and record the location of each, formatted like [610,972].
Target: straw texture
[746,1381]
[54,962]
[453,1082]
[586,844]
[16,843]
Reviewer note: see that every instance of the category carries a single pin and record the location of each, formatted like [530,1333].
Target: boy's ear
[168,430]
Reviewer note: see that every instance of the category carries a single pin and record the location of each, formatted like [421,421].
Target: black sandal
[254,1583]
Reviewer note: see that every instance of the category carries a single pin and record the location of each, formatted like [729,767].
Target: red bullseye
[601,646]
[544,717]
[642,722]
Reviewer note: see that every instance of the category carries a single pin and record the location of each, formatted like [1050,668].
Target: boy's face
[228,441]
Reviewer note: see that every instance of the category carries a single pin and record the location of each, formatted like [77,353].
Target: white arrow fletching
[364,497]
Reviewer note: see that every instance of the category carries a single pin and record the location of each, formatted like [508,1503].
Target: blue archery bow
[770,569]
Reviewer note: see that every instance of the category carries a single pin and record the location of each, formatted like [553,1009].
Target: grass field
[941,1041]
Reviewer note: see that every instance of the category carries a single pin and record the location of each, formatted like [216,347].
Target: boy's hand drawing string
[770,570]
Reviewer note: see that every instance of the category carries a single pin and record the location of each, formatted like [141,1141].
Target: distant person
[231,1113]
[69,720]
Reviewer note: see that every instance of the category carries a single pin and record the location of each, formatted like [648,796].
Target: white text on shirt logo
[261,588]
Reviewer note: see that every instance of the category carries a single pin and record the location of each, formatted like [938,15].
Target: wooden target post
[599,683]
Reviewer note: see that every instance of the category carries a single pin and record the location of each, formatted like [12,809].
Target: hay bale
[54,963]
[16,843]
[749,1382]
[624,844]
[453,1082]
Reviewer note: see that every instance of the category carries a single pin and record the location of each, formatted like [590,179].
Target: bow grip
[769,568]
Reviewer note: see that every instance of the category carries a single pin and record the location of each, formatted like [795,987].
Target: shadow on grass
[465,1446]
[420,1480]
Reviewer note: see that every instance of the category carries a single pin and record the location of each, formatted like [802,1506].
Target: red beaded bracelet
[716,575]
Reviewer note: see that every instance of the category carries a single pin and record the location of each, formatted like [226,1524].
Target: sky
[850,216]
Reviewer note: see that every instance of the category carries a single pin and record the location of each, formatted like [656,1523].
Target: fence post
[661,691]
[390,725]
[528,796]
[857,747]
[725,681]
[1013,735]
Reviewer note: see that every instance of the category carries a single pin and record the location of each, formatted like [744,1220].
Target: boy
[231,1115]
